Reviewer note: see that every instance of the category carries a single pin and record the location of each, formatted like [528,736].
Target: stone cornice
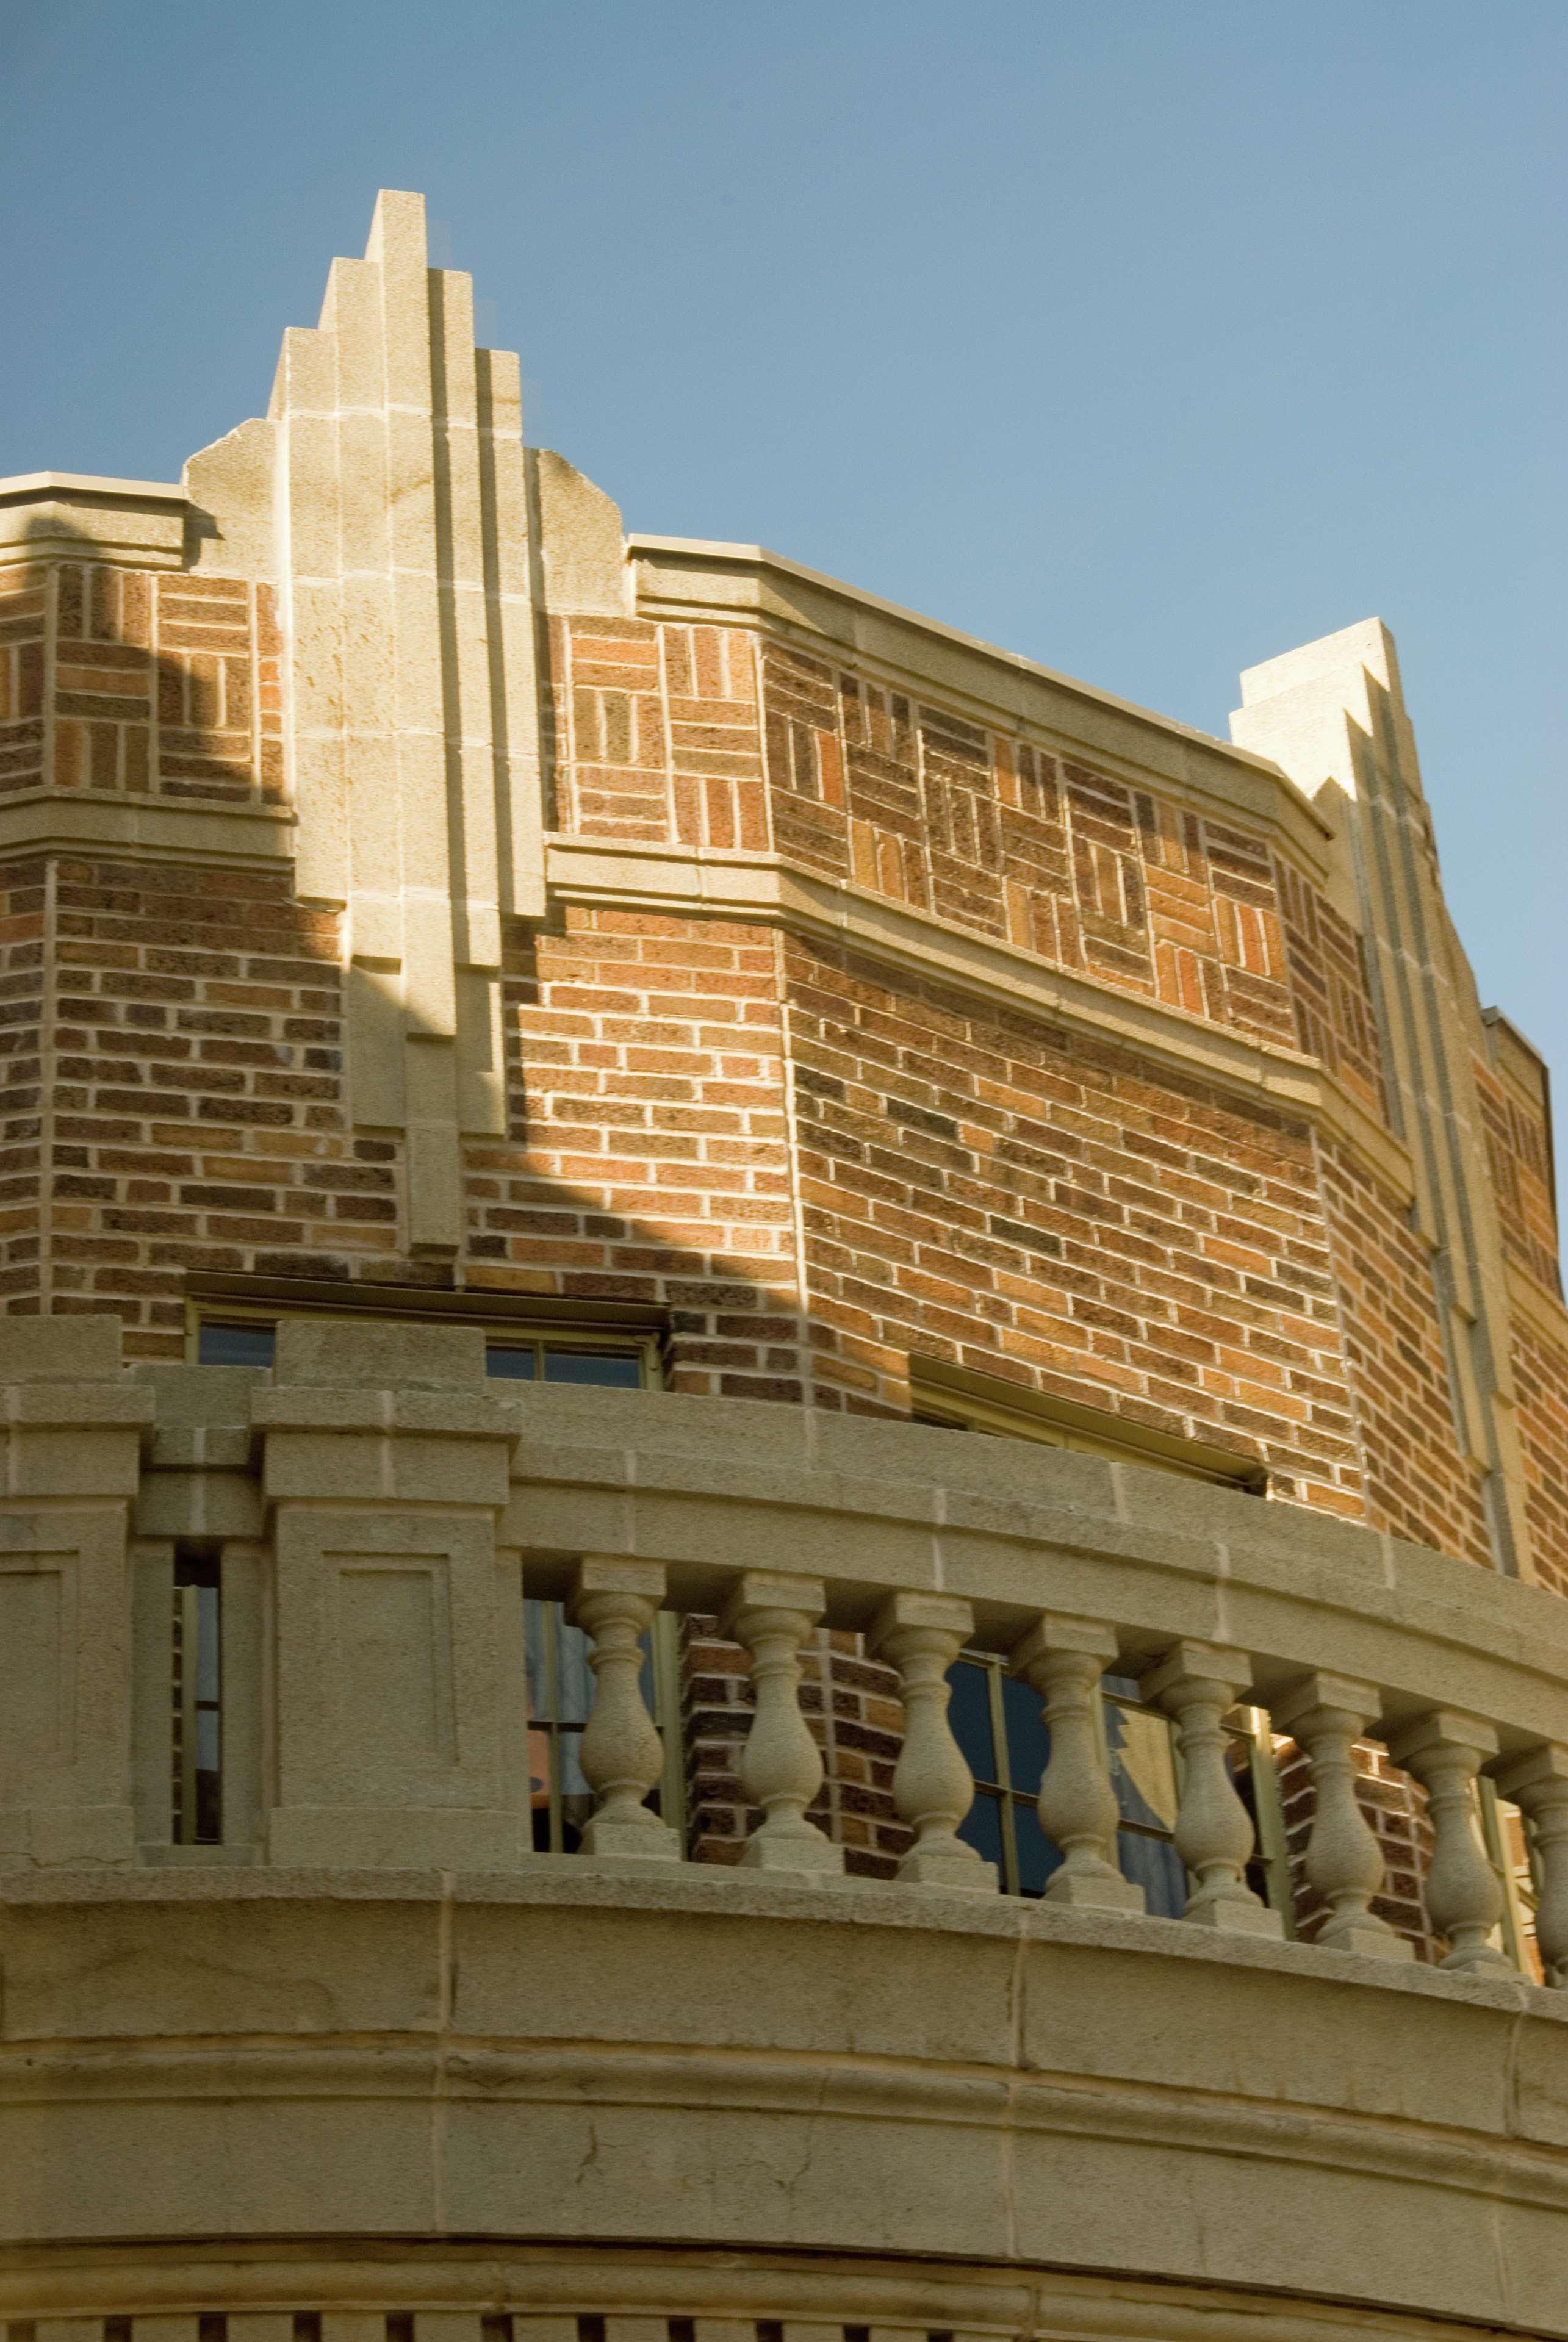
[59,821]
[71,516]
[690,579]
[764,887]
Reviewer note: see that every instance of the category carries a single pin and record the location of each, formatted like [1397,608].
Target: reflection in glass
[1153,1864]
[1143,1766]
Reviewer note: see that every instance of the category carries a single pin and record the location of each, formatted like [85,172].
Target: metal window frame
[958,1398]
[500,1332]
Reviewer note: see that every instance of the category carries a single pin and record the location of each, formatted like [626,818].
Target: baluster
[1326,1716]
[1063,1660]
[922,1635]
[1538,1783]
[1197,1683]
[781,1770]
[621,1751]
[1445,1751]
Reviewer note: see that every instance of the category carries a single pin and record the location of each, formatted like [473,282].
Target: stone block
[349,1356]
[60,1350]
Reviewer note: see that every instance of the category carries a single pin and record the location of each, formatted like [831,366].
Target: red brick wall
[24,627]
[1541,1387]
[164,685]
[988,1189]
[648,1159]
[196,1119]
[1518,1153]
[1393,1808]
[851,1709]
[24,915]
[1417,1484]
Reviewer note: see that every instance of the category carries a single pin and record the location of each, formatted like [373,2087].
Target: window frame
[510,1333]
[956,1398]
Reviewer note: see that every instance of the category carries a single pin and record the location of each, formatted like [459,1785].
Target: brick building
[427,905]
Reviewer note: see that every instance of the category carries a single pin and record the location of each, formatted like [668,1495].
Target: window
[613,1361]
[953,1399]
[997,1722]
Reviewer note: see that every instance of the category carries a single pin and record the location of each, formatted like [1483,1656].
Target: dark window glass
[1027,1741]
[234,1345]
[968,1713]
[512,1365]
[602,1366]
[1037,1857]
[981,1827]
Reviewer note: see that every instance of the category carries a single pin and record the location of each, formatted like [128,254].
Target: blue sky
[1147,339]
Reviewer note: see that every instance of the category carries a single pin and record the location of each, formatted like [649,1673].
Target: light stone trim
[258,838]
[74,517]
[1334,713]
[412,698]
[1043,2086]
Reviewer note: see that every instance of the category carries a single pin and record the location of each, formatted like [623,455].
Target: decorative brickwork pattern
[914,803]
[1541,1386]
[1417,1482]
[166,685]
[24,630]
[1519,1152]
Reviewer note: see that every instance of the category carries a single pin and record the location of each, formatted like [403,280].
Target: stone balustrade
[372,1513]
[364,2057]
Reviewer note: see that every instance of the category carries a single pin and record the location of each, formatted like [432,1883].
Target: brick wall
[1541,1386]
[851,1707]
[164,686]
[648,1159]
[988,1189]
[196,1118]
[23,920]
[1393,1808]
[24,627]
[1519,1152]
[1417,1482]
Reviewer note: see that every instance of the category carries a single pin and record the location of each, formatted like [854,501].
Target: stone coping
[577,1882]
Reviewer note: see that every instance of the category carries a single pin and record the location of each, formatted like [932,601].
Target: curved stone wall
[939,2104]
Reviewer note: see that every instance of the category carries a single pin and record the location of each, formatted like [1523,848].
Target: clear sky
[1147,338]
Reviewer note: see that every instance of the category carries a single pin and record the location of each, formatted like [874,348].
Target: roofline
[759,556]
[88,484]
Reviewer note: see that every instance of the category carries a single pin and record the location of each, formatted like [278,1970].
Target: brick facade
[842,999]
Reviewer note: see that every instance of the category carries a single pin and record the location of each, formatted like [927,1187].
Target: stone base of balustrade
[809,1855]
[960,1874]
[1236,1918]
[1111,1892]
[1371,1943]
[637,1842]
